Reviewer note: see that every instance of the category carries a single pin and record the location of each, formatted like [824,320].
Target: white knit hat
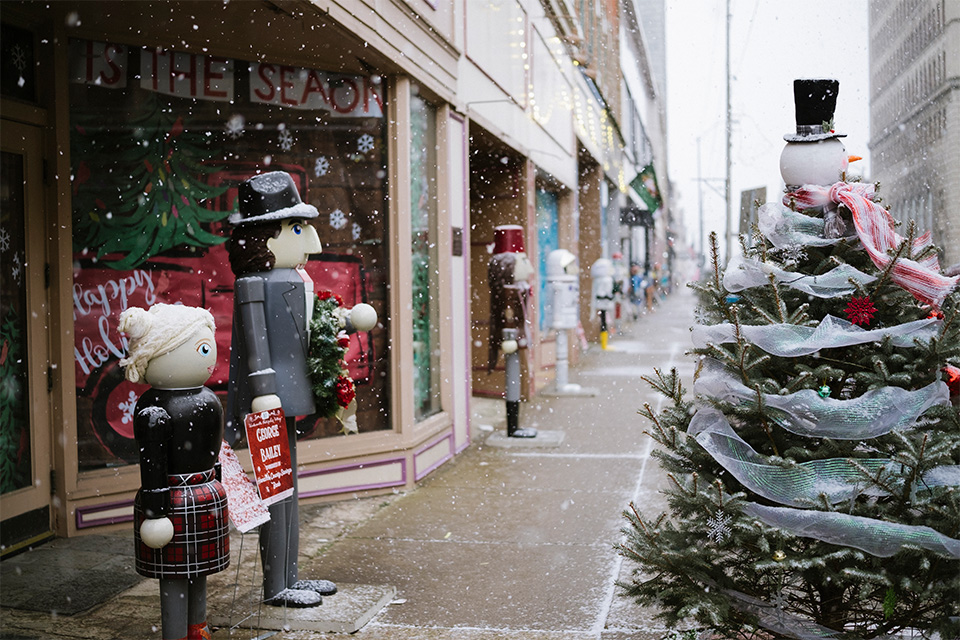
[158,331]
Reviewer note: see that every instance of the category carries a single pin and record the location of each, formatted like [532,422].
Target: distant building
[915,114]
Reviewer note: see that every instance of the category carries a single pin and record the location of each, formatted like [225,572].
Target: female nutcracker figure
[181,529]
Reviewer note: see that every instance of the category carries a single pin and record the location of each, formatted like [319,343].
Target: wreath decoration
[332,386]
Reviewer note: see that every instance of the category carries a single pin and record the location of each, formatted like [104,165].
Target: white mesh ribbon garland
[797,485]
[783,623]
[744,273]
[785,228]
[875,413]
[791,340]
[876,537]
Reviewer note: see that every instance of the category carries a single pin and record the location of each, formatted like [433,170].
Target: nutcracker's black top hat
[270,196]
[815,101]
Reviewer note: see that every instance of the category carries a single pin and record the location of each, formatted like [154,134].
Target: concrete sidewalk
[501,542]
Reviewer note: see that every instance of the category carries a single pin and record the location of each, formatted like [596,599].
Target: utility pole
[703,253]
[729,243]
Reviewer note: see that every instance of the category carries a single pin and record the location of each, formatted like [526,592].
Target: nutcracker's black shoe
[298,598]
[323,587]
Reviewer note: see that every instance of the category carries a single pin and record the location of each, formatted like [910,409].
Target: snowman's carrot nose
[854,158]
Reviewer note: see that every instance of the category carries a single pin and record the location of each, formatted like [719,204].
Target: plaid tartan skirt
[201,541]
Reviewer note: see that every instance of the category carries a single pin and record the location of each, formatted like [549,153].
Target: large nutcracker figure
[509,272]
[181,529]
[273,300]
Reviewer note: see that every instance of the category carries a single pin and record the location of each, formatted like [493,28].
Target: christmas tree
[814,473]
[139,191]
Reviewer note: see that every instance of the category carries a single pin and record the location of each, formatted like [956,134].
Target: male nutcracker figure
[180,513]
[509,272]
[273,300]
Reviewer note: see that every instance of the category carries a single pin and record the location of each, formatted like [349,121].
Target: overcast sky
[772,42]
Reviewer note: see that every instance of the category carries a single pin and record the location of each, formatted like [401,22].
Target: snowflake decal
[285,140]
[19,58]
[235,126]
[719,527]
[365,143]
[860,311]
[16,270]
[128,407]
[4,240]
[338,219]
[356,231]
[321,167]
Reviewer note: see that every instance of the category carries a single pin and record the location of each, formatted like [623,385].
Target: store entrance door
[25,467]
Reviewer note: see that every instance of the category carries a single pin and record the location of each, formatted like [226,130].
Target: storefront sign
[270,451]
[186,75]
[101,63]
[97,303]
[299,88]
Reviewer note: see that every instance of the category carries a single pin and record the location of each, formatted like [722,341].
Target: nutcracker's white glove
[265,403]
[156,532]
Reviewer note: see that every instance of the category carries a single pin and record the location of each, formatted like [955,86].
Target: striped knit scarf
[875,228]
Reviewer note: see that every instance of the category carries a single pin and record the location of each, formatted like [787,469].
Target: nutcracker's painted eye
[204,349]
[297,229]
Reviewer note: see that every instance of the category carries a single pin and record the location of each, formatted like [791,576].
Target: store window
[159,142]
[425,290]
[547,241]
[15,442]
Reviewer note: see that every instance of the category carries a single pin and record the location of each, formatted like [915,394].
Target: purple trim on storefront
[465,225]
[418,475]
[359,487]
[83,523]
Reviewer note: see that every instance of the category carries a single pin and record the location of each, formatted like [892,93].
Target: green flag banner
[645,184]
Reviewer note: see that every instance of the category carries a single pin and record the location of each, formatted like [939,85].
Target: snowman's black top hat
[815,101]
[270,196]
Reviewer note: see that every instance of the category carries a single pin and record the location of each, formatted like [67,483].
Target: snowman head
[814,154]
[823,162]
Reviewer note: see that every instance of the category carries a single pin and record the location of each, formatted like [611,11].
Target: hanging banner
[186,75]
[645,184]
[270,451]
[300,88]
[103,64]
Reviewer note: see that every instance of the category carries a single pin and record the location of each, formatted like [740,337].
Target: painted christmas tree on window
[138,188]
[816,469]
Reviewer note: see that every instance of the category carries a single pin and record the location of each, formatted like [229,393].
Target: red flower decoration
[953,380]
[345,391]
[343,342]
[326,295]
[860,311]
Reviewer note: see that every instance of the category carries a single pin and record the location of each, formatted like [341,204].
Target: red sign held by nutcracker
[270,451]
